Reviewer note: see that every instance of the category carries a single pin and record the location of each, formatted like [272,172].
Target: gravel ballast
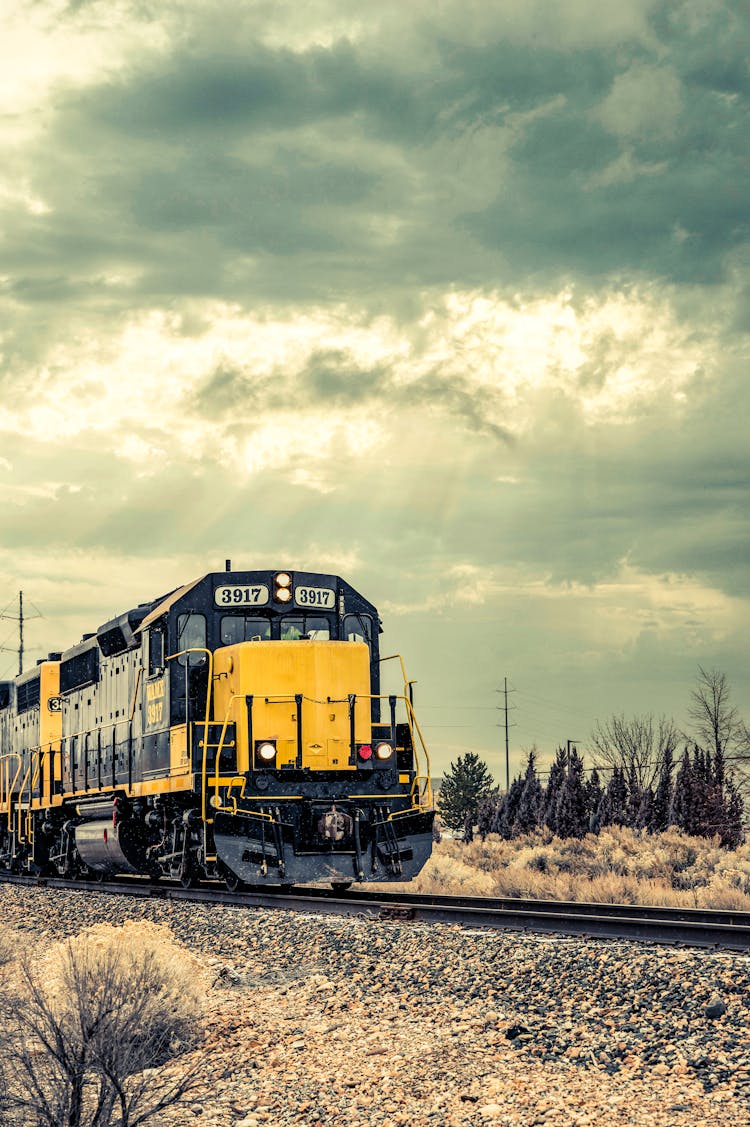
[332,1020]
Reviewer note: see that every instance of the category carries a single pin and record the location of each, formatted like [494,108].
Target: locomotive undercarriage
[280,843]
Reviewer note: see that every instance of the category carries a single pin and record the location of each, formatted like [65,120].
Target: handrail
[135,693]
[414,725]
[415,722]
[11,786]
[206,721]
[19,811]
[225,725]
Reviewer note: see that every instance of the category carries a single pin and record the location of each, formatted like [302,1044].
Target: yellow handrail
[181,653]
[135,693]
[19,811]
[224,726]
[10,787]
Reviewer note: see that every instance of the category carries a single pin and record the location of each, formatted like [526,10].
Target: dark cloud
[187,165]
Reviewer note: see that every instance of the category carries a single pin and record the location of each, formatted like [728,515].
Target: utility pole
[507,758]
[21,619]
[505,690]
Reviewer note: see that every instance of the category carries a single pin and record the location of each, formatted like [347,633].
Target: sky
[449,298]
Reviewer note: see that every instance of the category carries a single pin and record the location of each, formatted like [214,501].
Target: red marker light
[365,751]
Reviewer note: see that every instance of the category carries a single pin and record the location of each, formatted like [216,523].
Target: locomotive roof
[169,600]
[164,604]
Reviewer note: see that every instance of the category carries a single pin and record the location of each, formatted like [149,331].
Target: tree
[663,795]
[716,723]
[593,791]
[717,726]
[613,807]
[530,803]
[571,814]
[467,782]
[554,786]
[489,813]
[86,1041]
[637,745]
[732,835]
[644,817]
[683,811]
[509,809]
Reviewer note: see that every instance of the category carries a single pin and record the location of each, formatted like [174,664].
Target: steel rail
[684,926]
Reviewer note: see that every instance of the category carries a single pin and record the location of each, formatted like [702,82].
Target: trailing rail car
[233,728]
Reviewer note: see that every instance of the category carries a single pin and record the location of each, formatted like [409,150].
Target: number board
[315,597]
[241,596]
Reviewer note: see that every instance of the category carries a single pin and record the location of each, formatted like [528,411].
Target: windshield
[313,627]
[244,628]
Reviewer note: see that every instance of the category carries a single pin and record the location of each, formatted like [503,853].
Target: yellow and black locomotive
[231,729]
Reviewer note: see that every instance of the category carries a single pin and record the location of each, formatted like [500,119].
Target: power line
[20,618]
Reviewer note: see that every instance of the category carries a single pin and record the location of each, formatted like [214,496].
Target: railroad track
[678,926]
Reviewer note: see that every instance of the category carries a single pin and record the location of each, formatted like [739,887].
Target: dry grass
[617,866]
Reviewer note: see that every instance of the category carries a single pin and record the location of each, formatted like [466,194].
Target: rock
[715,1008]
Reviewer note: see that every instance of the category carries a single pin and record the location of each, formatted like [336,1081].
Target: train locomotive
[232,729]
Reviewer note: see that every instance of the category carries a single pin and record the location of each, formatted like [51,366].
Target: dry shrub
[133,950]
[618,865]
[448,875]
[9,946]
[91,1024]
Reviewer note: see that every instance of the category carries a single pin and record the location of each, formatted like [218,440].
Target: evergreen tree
[554,786]
[510,807]
[663,796]
[498,819]
[635,797]
[682,810]
[487,814]
[644,819]
[593,791]
[616,797]
[466,783]
[732,835]
[571,815]
[530,803]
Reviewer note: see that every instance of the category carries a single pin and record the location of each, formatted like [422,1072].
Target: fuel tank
[112,849]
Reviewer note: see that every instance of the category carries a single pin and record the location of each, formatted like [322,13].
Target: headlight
[266,752]
[384,751]
[282,587]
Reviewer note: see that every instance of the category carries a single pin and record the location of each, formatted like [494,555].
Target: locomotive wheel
[189,878]
[233,882]
[340,885]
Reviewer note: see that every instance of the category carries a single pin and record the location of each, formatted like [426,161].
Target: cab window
[314,627]
[191,634]
[155,650]
[239,628]
[358,628]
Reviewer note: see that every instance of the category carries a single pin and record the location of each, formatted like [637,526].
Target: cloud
[644,100]
[454,298]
